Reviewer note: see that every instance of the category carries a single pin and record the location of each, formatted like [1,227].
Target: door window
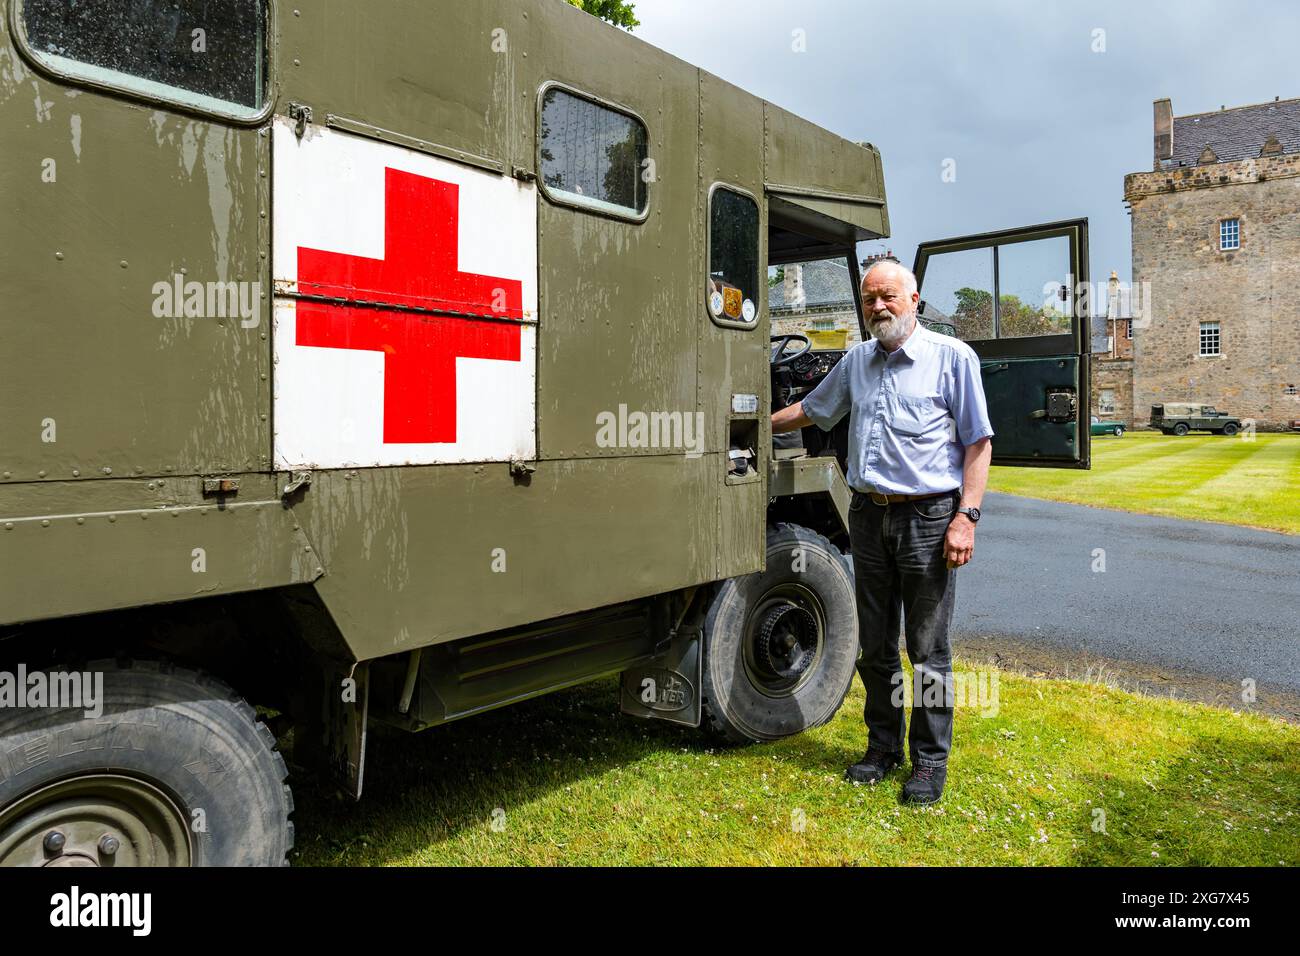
[1018,297]
[1016,288]
[731,287]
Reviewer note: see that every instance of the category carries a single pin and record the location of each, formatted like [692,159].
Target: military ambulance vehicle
[384,363]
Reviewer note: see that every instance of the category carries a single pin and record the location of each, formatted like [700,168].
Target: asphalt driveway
[1175,597]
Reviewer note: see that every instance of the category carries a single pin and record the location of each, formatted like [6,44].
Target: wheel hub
[95,820]
[786,641]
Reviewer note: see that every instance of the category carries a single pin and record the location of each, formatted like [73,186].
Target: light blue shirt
[911,412]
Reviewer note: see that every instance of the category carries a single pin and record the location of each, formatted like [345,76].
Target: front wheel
[1230,429]
[1119,431]
[167,767]
[780,645]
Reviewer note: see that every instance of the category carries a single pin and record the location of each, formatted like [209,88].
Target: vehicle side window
[732,284]
[593,156]
[210,56]
[1034,296]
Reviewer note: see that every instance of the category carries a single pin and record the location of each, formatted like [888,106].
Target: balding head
[885,269]
[889,300]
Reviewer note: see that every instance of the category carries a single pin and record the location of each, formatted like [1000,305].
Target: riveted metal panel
[423,555]
[617,333]
[109,208]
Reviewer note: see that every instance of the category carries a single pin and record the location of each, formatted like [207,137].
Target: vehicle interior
[814,304]
[1018,298]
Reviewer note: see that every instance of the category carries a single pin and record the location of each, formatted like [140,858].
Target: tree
[621,13]
[973,316]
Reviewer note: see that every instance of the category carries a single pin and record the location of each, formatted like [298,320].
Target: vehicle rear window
[209,54]
[593,156]
[732,288]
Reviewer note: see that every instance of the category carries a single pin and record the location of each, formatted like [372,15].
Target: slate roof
[1237,133]
[826,284]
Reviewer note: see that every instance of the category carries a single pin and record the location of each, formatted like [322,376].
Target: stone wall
[1253,292]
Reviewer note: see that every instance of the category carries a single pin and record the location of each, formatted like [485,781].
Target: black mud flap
[330,737]
[668,686]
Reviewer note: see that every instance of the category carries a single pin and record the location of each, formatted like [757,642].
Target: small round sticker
[715,302]
[747,310]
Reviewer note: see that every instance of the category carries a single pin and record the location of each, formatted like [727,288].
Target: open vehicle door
[1019,299]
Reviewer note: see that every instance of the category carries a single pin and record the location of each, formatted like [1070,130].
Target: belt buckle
[873,495]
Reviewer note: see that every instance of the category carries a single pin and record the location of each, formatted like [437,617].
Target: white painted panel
[329,195]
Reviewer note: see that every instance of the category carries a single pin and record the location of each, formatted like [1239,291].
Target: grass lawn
[1065,773]
[1205,477]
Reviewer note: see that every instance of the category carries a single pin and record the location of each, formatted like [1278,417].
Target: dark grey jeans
[902,578]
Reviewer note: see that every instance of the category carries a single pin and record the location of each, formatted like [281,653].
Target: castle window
[1230,234]
[1290,390]
[1209,338]
[1128,328]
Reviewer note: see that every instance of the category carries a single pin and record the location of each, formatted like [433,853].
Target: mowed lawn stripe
[1269,473]
[1202,477]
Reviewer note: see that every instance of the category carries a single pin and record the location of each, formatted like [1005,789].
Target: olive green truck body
[182,479]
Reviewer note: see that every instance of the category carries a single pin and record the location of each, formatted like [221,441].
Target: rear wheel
[781,644]
[1181,429]
[175,771]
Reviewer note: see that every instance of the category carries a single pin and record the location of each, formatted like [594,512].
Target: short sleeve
[968,405]
[830,400]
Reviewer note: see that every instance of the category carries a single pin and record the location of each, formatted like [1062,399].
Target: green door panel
[1021,299]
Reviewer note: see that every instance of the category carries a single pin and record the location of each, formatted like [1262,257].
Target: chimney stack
[1164,110]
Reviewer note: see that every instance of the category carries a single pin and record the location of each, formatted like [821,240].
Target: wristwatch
[972,513]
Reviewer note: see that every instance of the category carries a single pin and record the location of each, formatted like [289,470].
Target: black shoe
[873,766]
[925,785]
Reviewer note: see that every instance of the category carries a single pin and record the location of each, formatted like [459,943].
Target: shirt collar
[912,348]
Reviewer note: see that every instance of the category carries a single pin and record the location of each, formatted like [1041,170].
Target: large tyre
[175,771]
[1181,429]
[780,645]
[1119,431]
[1230,429]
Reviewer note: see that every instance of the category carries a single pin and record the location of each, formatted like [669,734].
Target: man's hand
[959,543]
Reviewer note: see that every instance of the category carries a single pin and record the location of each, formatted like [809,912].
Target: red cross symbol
[419,270]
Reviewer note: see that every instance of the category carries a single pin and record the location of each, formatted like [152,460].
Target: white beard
[893,330]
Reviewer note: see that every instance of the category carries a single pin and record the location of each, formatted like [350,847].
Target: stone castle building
[1216,234]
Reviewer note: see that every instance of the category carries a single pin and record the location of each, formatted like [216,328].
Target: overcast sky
[1040,126]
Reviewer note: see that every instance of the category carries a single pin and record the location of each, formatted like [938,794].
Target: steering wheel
[780,361]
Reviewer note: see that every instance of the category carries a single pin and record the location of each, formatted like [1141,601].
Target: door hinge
[301,116]
[524,175]
[220,486]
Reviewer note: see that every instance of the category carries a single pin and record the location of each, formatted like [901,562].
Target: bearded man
[919,452]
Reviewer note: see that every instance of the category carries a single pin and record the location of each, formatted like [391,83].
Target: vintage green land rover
[1179,418]
[389,362]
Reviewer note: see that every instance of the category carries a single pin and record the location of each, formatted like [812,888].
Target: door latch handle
[297,479]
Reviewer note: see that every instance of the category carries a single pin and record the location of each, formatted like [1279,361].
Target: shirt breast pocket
[913,415]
